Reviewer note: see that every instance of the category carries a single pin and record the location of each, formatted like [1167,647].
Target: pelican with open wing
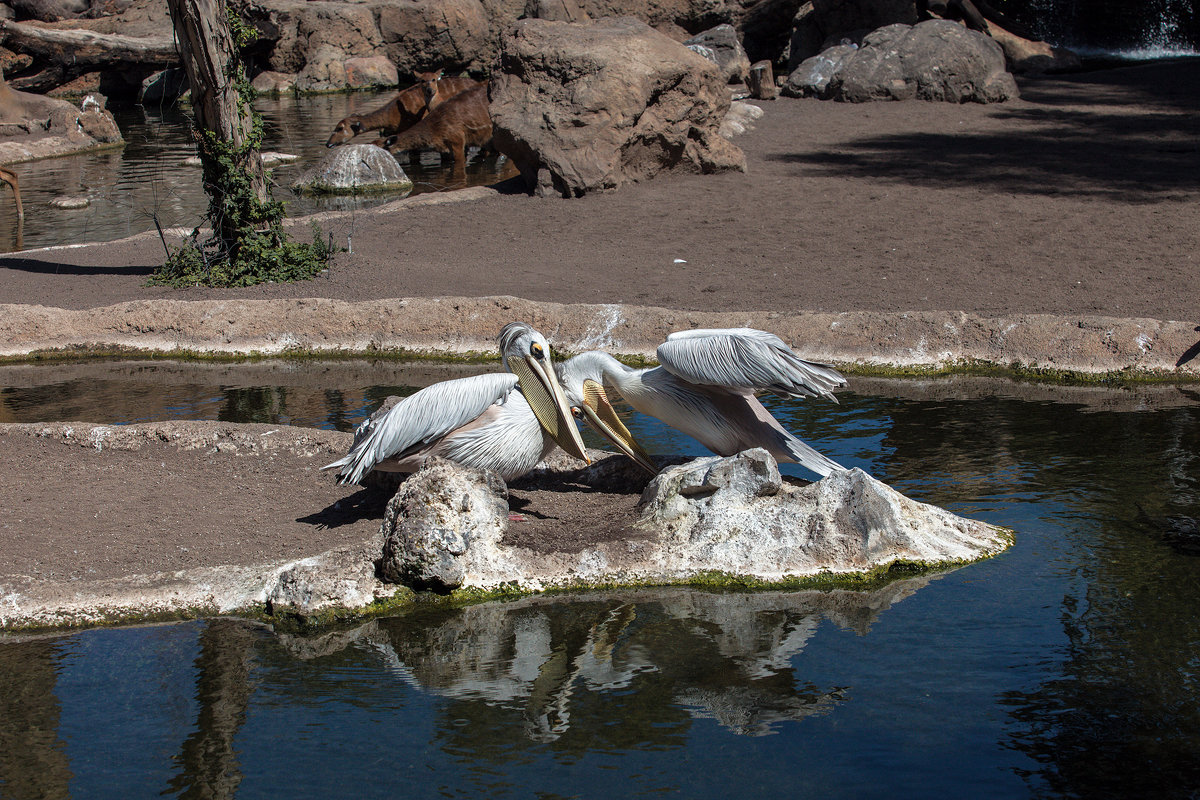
[705,387]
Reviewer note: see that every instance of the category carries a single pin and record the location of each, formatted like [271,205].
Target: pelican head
[581,379]
[595,409]
[526,354]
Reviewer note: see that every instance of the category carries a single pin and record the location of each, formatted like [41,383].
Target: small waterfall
[1167,32]
[1127,28]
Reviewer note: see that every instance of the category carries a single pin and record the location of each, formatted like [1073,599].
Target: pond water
[1066,667]
[130,187]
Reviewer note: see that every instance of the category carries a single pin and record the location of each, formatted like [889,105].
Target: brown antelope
[435,93]
[402,111]
[10,177]
[456,124]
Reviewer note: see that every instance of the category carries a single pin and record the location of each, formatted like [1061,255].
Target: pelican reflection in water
[705,388]
[506,422]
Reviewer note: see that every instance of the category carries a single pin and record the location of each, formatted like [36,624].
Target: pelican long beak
[545,396]
[601,415]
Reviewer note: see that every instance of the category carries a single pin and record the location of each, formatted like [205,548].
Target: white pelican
[506,422]
[705,387]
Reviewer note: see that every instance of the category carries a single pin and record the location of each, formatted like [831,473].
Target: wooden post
[210,57]
[762,81]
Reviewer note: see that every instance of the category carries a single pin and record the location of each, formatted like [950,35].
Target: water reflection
[1118,696]
[608,671]
[550,666]
[333,394]
[208,761]
[33,756]
[1119,719]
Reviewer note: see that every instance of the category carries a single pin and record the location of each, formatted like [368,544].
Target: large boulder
[440,522]
[722,41]
[310,39]
[933,60]
[314,33]
[765,27]
[421,35]
[819,23]
[587,107]
[734,516]
[676,18]
[812,76]
[559,10]
[49,10]
[34,126]
[329,69]
[57,10]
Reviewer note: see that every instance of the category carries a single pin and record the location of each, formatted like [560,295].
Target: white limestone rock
[444,527]
[734,516]
[740,119]
[355,168]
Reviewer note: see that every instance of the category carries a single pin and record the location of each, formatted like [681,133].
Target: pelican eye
[576,412]
[536,350]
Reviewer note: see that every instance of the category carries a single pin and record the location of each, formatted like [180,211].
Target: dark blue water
[1066,667]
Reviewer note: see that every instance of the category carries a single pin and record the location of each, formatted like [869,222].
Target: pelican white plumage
[705,388]
[506,422]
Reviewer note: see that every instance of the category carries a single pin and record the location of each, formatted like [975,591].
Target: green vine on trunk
[255,248]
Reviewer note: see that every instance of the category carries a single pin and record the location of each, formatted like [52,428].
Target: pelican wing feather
[421,418]
[746,359]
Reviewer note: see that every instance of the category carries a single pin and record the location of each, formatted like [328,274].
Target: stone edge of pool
[862,341]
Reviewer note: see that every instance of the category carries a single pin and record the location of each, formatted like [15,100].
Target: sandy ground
[1080,198]
[89,503]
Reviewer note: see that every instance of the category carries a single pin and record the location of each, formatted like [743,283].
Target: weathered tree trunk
[210,58]
[87,49]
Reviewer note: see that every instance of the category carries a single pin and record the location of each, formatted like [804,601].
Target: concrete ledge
[338,582]
[1090,345]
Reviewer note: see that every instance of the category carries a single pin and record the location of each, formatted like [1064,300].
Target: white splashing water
[1162,35]
[599,332]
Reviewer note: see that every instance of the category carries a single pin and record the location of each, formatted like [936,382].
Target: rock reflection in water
[566,664]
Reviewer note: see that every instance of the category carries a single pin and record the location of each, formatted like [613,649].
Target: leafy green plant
[247,243]
[259,258]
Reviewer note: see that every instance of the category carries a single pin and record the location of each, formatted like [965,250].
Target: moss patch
[290,620]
